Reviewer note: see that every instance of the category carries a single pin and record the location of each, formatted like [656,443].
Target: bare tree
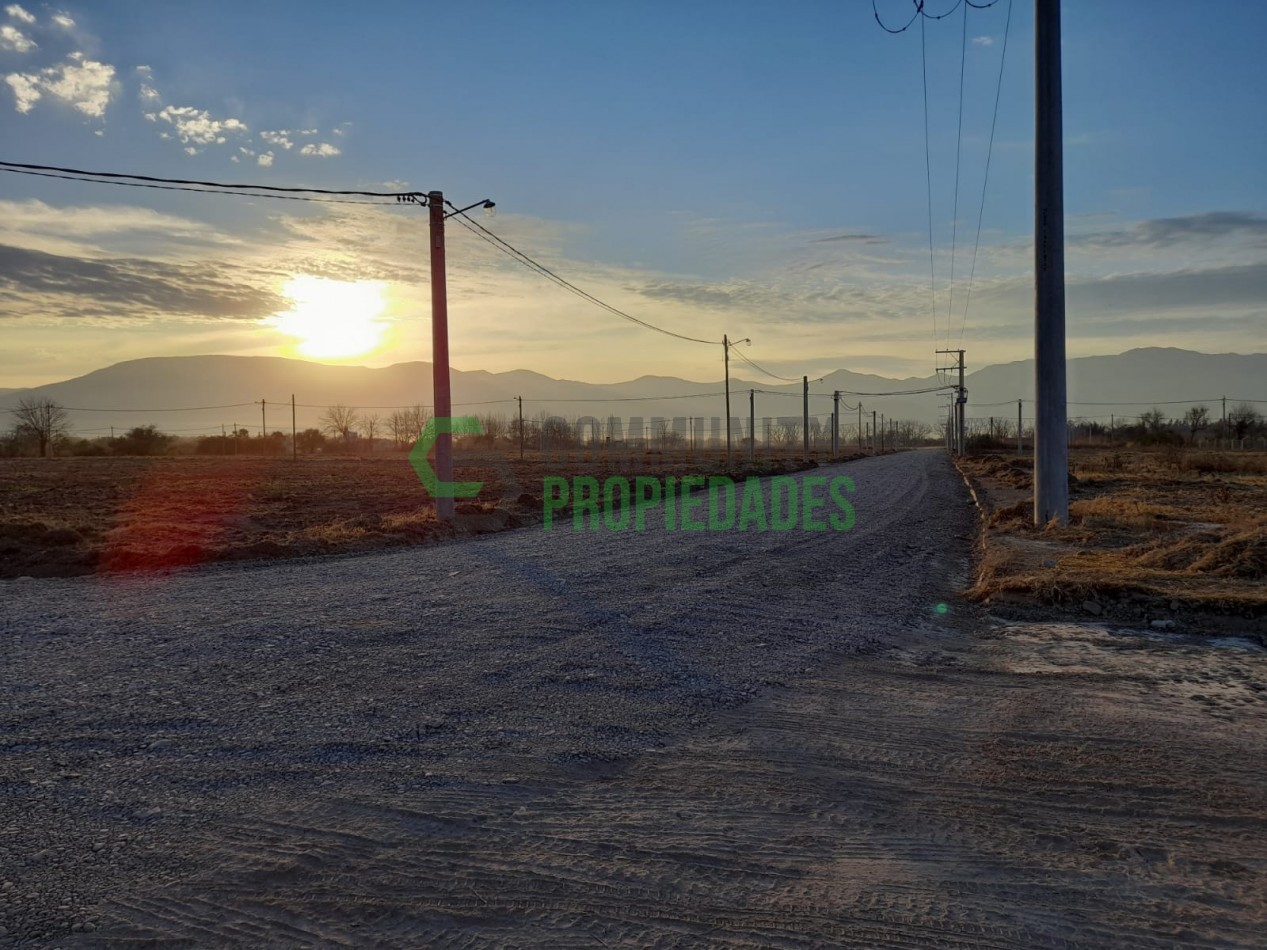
[369,427]
[407,424]
[43,420]
[495,428]
[339,421]
[787,431]
[1154,420]
[398,426]
[1243,419]
[1196,419]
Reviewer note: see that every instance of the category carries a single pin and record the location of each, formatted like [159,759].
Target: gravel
[139,710]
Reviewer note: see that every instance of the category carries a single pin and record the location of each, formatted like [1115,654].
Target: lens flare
[333,318]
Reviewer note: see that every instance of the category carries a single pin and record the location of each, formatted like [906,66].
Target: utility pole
[440,352]
[294,438]
[880,432]
[1019,423]
[521,427]
[752,425]
[835,422]
[1051,450]
[263,430]
[725,345]
[960,442]
[805,414]
[1223,433]
[235,438]
[860,448]
[872,440]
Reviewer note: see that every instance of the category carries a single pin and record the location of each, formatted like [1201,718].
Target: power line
[634,398]
[901,392]
[203,191]
[954,217]
[920,11]
[762,369]
[236,405]
[236,186]
[507,248]
[998,91]
[928,177]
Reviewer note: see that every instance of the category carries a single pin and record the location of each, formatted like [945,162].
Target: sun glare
[333,318]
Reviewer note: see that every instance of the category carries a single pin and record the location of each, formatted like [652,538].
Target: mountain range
[190,395]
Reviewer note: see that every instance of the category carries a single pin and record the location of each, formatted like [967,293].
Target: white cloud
[149,93]
[249,153]
[278,137]
[234,159]
[190,150]
[197,127]
[307,132]
[62,20]
[265,160]
[323,150]
[84,84]
[144,71]
[89,229]
[983,41]
[17,13]
[13,38]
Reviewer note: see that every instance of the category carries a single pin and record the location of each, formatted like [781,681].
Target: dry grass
[63,517]
[1144,528]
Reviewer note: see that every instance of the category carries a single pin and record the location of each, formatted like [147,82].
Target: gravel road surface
[654,739]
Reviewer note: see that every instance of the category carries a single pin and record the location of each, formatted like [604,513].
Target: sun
[333,318]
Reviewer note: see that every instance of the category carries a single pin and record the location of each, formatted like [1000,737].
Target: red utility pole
[440,352]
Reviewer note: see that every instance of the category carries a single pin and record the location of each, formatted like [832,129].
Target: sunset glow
[333,318]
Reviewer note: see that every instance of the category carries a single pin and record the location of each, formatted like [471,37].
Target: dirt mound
[1242,554]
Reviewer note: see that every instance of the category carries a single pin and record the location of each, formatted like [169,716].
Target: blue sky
[714,167]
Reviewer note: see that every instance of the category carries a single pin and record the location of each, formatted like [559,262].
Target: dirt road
[549,739]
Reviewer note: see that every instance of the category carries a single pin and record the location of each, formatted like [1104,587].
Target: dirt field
[74,516]
[1170,537]
[658,739]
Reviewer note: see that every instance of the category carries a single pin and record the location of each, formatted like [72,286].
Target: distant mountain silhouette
[1127,384]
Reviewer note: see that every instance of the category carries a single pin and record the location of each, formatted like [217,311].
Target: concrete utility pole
[294,436]
[752,425]
[1019,428]
[521,427]
[725,345]
[835,422]
[440,352]
[1223,433]
[805,414]
[1051,450]
[860,449]
[959,441]
[263,429]
[873,430]
[880,433]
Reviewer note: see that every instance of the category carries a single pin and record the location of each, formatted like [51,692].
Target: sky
[709,167]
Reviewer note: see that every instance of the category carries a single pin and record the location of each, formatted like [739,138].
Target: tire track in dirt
[657,739]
